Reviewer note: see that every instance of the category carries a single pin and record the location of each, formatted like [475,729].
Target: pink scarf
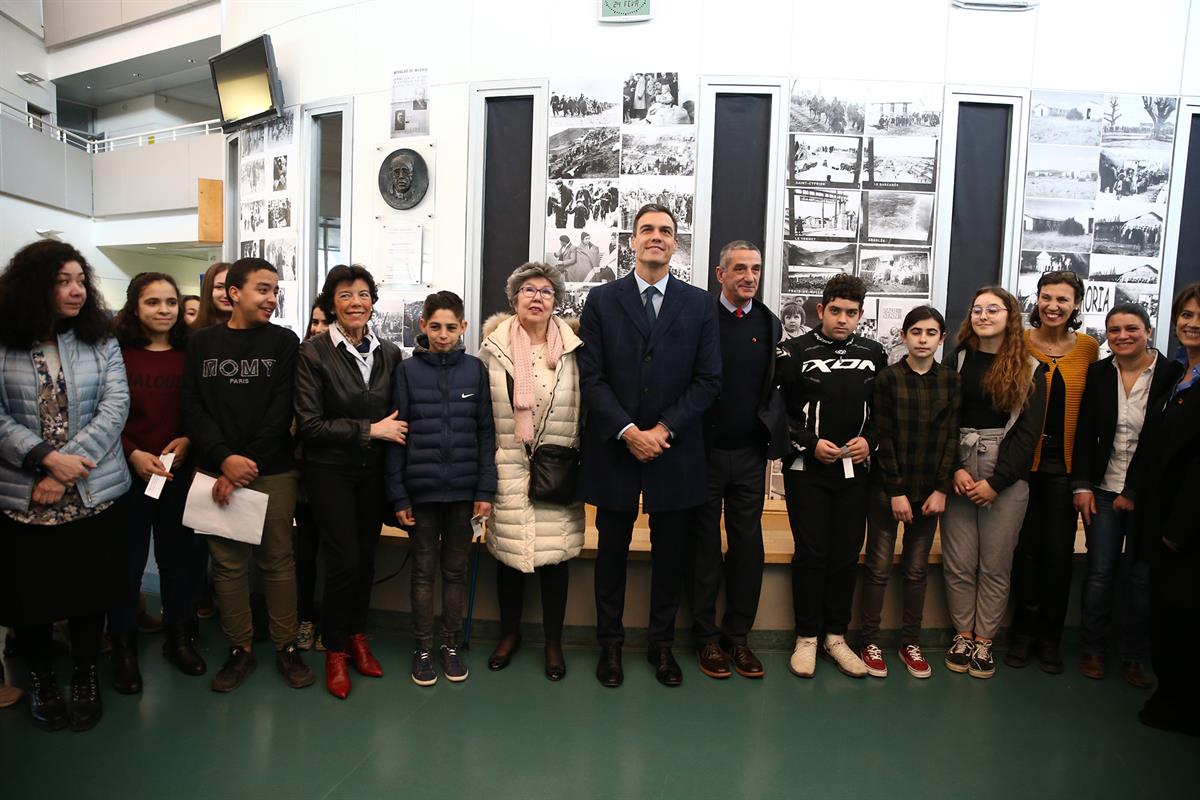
[522,357]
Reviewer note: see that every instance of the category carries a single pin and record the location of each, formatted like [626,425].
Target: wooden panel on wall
[86,17]
[53,23]
[210,216]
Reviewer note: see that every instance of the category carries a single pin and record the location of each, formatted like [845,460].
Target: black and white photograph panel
[279,213]
[1138,120]
[658,151]
[252,177]
[582,203]
[657,98]
[814,213]
[251,248]
[824,106]
[1035,262]
[250,141]
[831,255]
[896,218]
[1065,118]
[673,192]
[1135,173]
[807,280]
[574,299]
[816,160]
[798,313]
[903,109]
[681,262]
[625,256]
[1128,227]
[253,214]
[280,131]
[282,253]
[279,174]
[584,153]
[583,256]
[281,295]
[894,271]
[591,101]
[1062,225]
[1133,279]
[1066,173]
[900,162]
[889,323]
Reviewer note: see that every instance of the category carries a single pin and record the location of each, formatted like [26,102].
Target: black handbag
[553,469]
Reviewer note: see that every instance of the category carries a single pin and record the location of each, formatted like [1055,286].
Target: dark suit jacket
[630,373]
[771,411]
[1098,420]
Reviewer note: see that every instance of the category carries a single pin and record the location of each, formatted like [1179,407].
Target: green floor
[514,734]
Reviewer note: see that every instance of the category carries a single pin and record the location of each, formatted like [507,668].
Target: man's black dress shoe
[608,670]
[666,668]
[744,661]
[712,661]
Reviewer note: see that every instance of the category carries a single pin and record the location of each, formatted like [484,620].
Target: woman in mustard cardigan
[1042,562]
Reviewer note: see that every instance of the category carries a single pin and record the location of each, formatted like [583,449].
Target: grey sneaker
[423,673]
[453,666]
[958,657]
[982,664]
[304,636]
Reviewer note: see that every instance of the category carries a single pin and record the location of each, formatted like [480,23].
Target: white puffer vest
[524,535]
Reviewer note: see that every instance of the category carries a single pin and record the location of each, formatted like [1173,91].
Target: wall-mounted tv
[247,85]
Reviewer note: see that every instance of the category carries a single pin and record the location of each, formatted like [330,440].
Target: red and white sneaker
[917,666]
[872,656]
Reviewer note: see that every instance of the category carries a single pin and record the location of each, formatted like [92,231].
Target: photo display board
[1096,186]
[862,166]
[614,145]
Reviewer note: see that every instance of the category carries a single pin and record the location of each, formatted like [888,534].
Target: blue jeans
[1111,571]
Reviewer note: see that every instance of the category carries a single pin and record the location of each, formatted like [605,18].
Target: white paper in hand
[155,486]
[241,520]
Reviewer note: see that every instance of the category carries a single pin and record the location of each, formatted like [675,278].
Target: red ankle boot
[364,661]
[337,673]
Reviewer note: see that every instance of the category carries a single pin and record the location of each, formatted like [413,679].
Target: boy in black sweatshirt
[827,376]
[237,402]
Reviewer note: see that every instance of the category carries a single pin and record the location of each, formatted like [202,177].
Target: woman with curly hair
[1042,564]
[1003,401]
[153,334]
[215,308]
[63,404]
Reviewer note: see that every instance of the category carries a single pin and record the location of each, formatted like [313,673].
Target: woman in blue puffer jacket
[63,403]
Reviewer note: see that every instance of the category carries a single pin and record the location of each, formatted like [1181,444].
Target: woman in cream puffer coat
[530,357]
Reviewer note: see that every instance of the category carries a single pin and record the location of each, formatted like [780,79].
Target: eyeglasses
[531,292]
[991,311]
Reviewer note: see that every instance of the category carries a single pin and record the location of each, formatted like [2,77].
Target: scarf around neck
[522,357]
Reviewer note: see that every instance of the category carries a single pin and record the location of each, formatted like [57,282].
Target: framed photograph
[818,160]
[896,218]
[818,213]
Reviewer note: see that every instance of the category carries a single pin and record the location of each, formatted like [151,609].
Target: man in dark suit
[649,369]
[744,427]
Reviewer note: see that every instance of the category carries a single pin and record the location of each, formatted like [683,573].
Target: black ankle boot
[179,651]
[45,703]
[127,678]
[86,708]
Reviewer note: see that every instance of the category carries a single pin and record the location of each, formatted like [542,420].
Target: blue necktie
[649,296]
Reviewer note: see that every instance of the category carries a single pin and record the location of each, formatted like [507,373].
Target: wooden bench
[777,537]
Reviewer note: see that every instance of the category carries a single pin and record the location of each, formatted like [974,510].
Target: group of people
[1004,443]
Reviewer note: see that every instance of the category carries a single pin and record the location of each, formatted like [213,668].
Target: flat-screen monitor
[247,86]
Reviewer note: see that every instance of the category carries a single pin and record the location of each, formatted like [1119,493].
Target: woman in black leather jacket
[343,389]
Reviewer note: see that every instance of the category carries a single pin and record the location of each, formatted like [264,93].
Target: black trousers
[37,642]
[345,504]
[305,545]
[668,550]
[736,481]
[441,541]
[828,517]
[510,586]
[1042,562]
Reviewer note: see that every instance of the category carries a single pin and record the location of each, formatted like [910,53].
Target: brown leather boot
[1091,666]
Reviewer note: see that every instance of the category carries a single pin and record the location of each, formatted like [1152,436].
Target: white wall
[1066,44]
[21,51]
[26,13]
[149,113]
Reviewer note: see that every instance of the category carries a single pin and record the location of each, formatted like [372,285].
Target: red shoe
[364,661]
[872,656]
[337,675]
[918,667]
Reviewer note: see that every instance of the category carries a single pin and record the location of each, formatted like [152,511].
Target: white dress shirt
[364,360]
[658,297]
[1131,413]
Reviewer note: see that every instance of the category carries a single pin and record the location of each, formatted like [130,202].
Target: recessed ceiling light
[87,87]
[137,74]
[191,61]
[151,247]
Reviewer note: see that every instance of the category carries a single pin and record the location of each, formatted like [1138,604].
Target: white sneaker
[845,658]
[803,662]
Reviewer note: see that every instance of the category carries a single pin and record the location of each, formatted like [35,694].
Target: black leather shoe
[1051,657]
[177,648]
[556,665]
[291,666]
[712,661]
[45,703]
[608,670]
[1019,652]
[86,708]
[744,661]
[506,648]
[235,670]
[127,678]
[666,668]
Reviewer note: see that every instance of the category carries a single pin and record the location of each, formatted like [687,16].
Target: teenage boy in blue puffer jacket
[443,476]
